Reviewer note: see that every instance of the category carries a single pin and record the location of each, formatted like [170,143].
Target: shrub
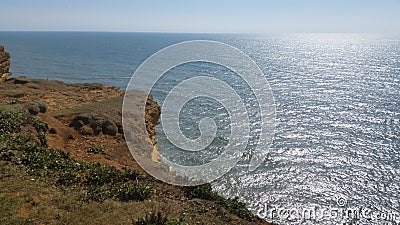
[13,101]
[7,155]
[67,178]
[152,218]
[179,221]
[133,191]
[11,121]
[38,157]
[99,194]
[97,149]
[38,124]
[130,175]
[233,205]
[42,138]
[158,218]
[203,191]
[102,174]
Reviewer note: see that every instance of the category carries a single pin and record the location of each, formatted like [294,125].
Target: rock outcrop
[4,64]
[91,124]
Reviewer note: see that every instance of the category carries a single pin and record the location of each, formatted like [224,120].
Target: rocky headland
[64,160]
[4,64]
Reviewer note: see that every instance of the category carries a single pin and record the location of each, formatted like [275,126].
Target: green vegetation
[232,205]
[97,149]
[97,182]
[158,218]
[11,120]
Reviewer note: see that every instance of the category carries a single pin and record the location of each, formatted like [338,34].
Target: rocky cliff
[4,64]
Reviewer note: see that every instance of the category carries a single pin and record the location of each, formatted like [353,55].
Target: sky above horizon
[216,16]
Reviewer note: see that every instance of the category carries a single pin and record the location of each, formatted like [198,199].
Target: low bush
[38,124]
[203,191]
[133,191]
[233,205]
[157,218]
[97,149]
[11,121]
[102,174]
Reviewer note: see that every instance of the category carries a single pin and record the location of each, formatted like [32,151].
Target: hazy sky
[255,16]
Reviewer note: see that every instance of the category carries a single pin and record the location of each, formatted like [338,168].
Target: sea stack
[4,64]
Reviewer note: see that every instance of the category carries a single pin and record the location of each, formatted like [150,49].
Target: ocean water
[337,141]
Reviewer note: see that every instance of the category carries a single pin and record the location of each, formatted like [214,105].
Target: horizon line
[204,32]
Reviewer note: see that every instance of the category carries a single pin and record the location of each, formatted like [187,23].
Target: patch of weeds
[133,191]
[102,174]
[173,221]
[157,218]
[130,175]
[67,178]
[233,205]
[49,159]
[97,149]
[99,194]
[42,138]
[38,124]
[203,191]
[7,155]
[108,182]
[13,101]
[11,121]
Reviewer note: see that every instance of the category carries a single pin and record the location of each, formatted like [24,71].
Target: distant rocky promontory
[4,64]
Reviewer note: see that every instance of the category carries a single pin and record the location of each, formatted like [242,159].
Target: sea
[335,154]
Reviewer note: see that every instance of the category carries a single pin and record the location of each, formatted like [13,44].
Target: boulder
[35,107]
[110,128]
[97,125]
[86,130]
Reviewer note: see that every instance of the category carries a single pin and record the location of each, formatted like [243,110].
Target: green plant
[38,157]
[13,101]
[102,174]
[180,221]
[67,178]
[157,218]
[133,191]
[152,218]
[233,205]
[130,175]
[38,124]
[203,191]
[97,149]
[7,155]
[42,138]
[99,194]
[11,121]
